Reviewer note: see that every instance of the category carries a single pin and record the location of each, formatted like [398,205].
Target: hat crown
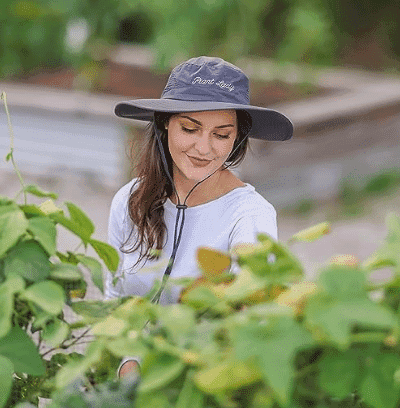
[207,79]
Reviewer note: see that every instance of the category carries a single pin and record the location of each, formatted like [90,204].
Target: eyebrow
[199,123]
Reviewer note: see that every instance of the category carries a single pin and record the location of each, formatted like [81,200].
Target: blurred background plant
[48,34]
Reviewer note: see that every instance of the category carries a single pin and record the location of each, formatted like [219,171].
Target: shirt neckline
[247,186]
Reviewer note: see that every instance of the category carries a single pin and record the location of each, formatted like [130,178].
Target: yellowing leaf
[312,233]
[296,295]
[48,207]
[345,259]
[213,263]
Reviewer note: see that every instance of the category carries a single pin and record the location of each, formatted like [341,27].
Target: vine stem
[64,346]
[10,155]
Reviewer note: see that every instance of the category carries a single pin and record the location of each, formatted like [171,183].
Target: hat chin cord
[181,209]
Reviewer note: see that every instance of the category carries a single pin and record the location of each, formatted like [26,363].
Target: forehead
[205,117]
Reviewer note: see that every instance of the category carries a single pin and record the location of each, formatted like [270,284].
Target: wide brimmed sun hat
[205,84]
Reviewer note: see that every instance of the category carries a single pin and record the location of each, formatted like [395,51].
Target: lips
[198,162]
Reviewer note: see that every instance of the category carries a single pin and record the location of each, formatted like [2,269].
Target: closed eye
[188,130]
[222,136]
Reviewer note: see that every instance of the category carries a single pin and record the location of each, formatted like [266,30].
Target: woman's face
[200,142]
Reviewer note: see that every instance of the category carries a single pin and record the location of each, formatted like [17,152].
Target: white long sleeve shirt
[234,218]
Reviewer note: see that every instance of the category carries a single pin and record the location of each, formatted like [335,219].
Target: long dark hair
[153,187]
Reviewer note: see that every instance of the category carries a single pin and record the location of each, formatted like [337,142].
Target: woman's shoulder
[122,195]
[247,201]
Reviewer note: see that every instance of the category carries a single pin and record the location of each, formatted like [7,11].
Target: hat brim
[268,124]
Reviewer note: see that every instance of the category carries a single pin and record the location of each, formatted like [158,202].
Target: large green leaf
[29,260]
[388,254]
[94,310]
[339,372]
[47,295]
[179,320]
[6,309]
[44,232]
[55,332]
[335,319]
[274,344]
[127,346]
[343,282]
[227,376]
[190,396]
[11,286]
[75,369]
[78,223]
[158,370]
[65,272]
[380,388]
[18,347]
[107,253]
[13,225]
[80,218]
[95,270]
[6,378]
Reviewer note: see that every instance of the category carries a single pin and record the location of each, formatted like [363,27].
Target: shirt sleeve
[115,239]
[248,226]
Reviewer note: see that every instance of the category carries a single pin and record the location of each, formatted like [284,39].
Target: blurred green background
[48,34]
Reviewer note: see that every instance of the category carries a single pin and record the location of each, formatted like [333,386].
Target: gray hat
[204,84]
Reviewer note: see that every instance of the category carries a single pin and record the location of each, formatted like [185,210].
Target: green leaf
[107,253]
[31,210]
[94,310]
[38,192]
[200,297]
[179,320]
[44,232]
[152,399]
[6,379]
[12,285]
[339,372]
[47,295]
[227,376]
[80,218]
[343,282]
[128,346]
[336,319]
[75,369]
[8,156]
[158,370]
[379,387]
[6,309]
[274,344]
[78,223]
[190,396]
[388,254]
[22,352]
[65,271]
[55,332]
[95,270]
[29,260]
[13,225]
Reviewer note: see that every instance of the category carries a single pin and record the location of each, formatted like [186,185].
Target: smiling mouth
[199,162]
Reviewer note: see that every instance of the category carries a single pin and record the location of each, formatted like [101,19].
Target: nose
[203,144]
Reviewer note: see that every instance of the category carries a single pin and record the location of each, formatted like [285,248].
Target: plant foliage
[265,337]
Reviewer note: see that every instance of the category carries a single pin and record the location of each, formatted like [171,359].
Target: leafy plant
[264,338]
[37,281]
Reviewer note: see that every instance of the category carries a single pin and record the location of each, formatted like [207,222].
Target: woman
[185,196]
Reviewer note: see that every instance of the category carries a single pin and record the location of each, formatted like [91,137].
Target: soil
[139,82]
